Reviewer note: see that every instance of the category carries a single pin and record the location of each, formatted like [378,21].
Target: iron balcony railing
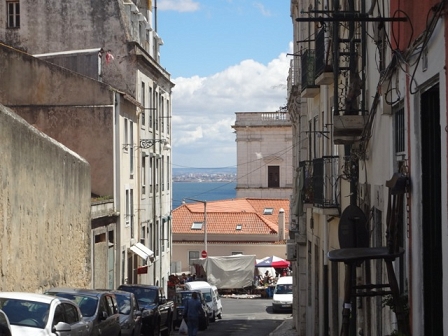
[308,67]
[322,57]
[320,183]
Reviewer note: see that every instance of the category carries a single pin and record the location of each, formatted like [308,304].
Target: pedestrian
[193,310]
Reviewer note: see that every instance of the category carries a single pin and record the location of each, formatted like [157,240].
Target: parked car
[31,314]
[99,309]
[5,328]
[179,307]
[130,313]
[282,298]
[211,296]
[157,311]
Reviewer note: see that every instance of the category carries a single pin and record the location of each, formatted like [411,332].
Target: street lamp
[205,219]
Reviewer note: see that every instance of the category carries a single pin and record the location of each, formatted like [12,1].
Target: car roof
[29,297]
[77,291]
[198,284]
[138,286]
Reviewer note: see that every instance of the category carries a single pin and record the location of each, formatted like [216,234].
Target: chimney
[281,224]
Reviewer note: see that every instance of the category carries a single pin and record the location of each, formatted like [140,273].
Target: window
[237,253]
[192,255]
[13,14]
[143,175]
[273,176]
[58,315]
[71,314]
[131,220]
[399,130]
[239,227]
[151,107]
[143,103]
[131,148]
[162,172]
[128,212]
[168,122]
[197,226]
[150,172]
[268,211]
[168,170]
[126,135]
[162,115]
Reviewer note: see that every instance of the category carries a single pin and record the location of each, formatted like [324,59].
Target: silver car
[33,314]
[130,313]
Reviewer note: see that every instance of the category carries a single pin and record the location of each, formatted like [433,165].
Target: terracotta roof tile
[224,216]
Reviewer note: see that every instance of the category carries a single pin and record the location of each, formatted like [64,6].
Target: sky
[224,56]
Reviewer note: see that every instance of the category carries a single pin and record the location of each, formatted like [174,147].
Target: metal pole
[205,219]
[205,226]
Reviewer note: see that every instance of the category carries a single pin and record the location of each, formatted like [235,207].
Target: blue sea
[202,191]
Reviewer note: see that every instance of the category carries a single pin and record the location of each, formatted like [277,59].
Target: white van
[282,298]
[211,296]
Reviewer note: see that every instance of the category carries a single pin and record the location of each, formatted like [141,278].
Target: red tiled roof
[224,216]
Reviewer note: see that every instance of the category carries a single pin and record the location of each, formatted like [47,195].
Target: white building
[370,78]
[117,44]
[264,154]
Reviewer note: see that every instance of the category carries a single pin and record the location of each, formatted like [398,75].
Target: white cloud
[204,109]
[262,9]
[178,5]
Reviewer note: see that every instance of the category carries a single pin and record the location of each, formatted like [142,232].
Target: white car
[282,298]
[33,314]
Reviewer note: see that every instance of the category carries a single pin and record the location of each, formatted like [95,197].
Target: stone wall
[44,210]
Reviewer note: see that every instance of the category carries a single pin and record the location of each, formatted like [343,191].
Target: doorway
[431,211]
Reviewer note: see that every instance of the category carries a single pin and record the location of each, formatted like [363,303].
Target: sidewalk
[285,329]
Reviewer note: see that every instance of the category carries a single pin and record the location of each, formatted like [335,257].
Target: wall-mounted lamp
[147,143]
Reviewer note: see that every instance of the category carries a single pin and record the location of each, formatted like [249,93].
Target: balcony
[324,69]
[308,66]
[348,129]
[320,186]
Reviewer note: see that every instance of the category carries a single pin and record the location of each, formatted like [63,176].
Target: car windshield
[181,298]
[144,296]
[87,304]
[124,304]
[283,289]
[207,297]
[25,313]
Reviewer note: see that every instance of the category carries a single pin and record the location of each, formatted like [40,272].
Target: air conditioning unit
[291,252]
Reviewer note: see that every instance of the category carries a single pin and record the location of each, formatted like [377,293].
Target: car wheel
[167,331]
[156,331]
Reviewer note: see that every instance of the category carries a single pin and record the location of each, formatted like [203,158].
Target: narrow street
[249,317]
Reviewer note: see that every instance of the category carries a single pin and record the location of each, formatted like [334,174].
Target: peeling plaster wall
[44,210]
[48,26]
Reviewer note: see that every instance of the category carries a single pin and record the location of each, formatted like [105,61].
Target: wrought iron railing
[308,68]
[322,59]
[325,181]
[320,181]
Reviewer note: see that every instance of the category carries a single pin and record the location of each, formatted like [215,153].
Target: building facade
[118,45]
[264,147]
[367,96]
[248,226]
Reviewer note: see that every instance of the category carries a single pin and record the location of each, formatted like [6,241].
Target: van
[211,296]
[282,298]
